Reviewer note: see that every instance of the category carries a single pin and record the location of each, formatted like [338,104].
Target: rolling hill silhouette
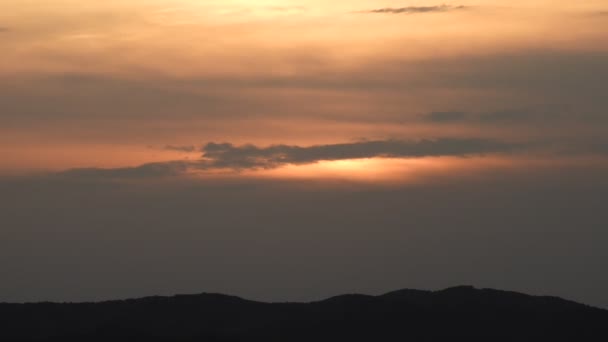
[455,314]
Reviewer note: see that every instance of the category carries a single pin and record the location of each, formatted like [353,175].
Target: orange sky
[111,84]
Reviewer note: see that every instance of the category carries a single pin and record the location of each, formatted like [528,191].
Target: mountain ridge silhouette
[457,313]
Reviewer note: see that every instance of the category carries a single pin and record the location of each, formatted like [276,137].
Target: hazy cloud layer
[278,240]
[446,117]
[150,170]
[416,9]
[576,78]
[503,117]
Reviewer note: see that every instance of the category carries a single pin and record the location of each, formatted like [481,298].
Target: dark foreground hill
[456,314]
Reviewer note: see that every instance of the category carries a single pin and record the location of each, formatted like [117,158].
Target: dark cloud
[228,156]
[250,156]
[4,29]
[510,116]
[589,147]
[416,9]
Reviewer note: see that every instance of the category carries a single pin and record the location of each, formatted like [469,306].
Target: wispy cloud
[189,148]
[287,8]
[415,9]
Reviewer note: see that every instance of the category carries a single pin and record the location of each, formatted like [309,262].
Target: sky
[294,150]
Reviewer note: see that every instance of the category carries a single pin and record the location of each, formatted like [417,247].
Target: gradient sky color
[122,121]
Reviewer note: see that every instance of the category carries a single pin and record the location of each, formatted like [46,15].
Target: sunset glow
[174,72]
[268,148]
